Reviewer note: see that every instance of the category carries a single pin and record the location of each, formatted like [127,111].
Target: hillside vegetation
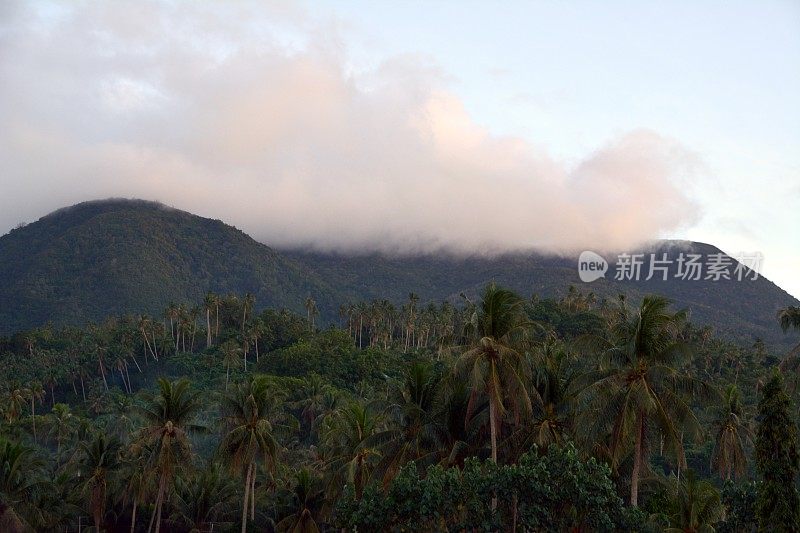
[537,414]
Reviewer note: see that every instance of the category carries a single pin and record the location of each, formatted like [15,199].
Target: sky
[472,127]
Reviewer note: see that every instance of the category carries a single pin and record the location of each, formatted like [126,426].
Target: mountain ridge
[116,256]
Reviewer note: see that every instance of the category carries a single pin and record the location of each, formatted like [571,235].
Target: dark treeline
[501,414]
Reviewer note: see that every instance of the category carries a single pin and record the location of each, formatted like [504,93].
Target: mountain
[110,257]
[742,310]
[117,256]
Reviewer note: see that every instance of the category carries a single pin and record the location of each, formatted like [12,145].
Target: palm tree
[789,318]
[61,425]
[414,435]
[204,499]
[19,480]
[208,305]
[314,399]
[16,398]
[729,457]
[230,358]
[308,500]
[552,390]
[35,392]
[99,460]
[493,363]
[640,386]
[346,437]
[249,434]
[311,312]
[168,418]
[247,305]
[695,505]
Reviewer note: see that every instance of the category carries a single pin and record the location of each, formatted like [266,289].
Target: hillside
[101,258]
[117,256]
[741,310]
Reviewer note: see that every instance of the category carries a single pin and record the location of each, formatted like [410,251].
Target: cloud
[249,113]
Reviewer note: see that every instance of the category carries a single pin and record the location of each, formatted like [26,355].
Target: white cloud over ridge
[249,114]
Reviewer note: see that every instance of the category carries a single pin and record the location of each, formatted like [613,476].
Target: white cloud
[205,107]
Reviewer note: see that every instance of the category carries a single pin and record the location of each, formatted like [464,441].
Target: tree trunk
[208,327]
[493,433]
[33,416]
[246,497]
[637,459]
[253,493]
[133,516]
[103,372]
[156,516]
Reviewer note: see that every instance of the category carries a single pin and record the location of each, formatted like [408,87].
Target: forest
[498,413]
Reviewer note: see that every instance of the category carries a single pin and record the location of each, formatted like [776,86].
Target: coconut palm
[346,438]
[208,305]
[311,312]
[414,433]
[732,432]
[35,392]
[230,358]
[247,305]
[640,388]
[308,500]
[694,505]
[99,461]
[203,499]
[19,480]
[493,363]
[168,419]
[249,434]
[61,424]
[315,397]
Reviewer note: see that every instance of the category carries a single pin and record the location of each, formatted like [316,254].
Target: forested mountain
[109,257]
[102,258]
[742,310]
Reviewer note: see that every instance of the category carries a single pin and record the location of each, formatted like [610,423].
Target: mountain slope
[743,310]
[130,256]
[100,258]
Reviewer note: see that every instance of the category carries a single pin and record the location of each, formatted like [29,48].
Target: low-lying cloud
[216,109]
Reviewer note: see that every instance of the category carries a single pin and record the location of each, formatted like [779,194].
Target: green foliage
[740,507]
[140,420]
[556,491]
[778,504]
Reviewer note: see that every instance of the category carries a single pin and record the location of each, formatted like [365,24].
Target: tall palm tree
[168,419]
[732,431]
[99,461]
[208,305]
[248,434]
[311,312]
[247,305]
[493,363]
[230,358]
[640,387]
